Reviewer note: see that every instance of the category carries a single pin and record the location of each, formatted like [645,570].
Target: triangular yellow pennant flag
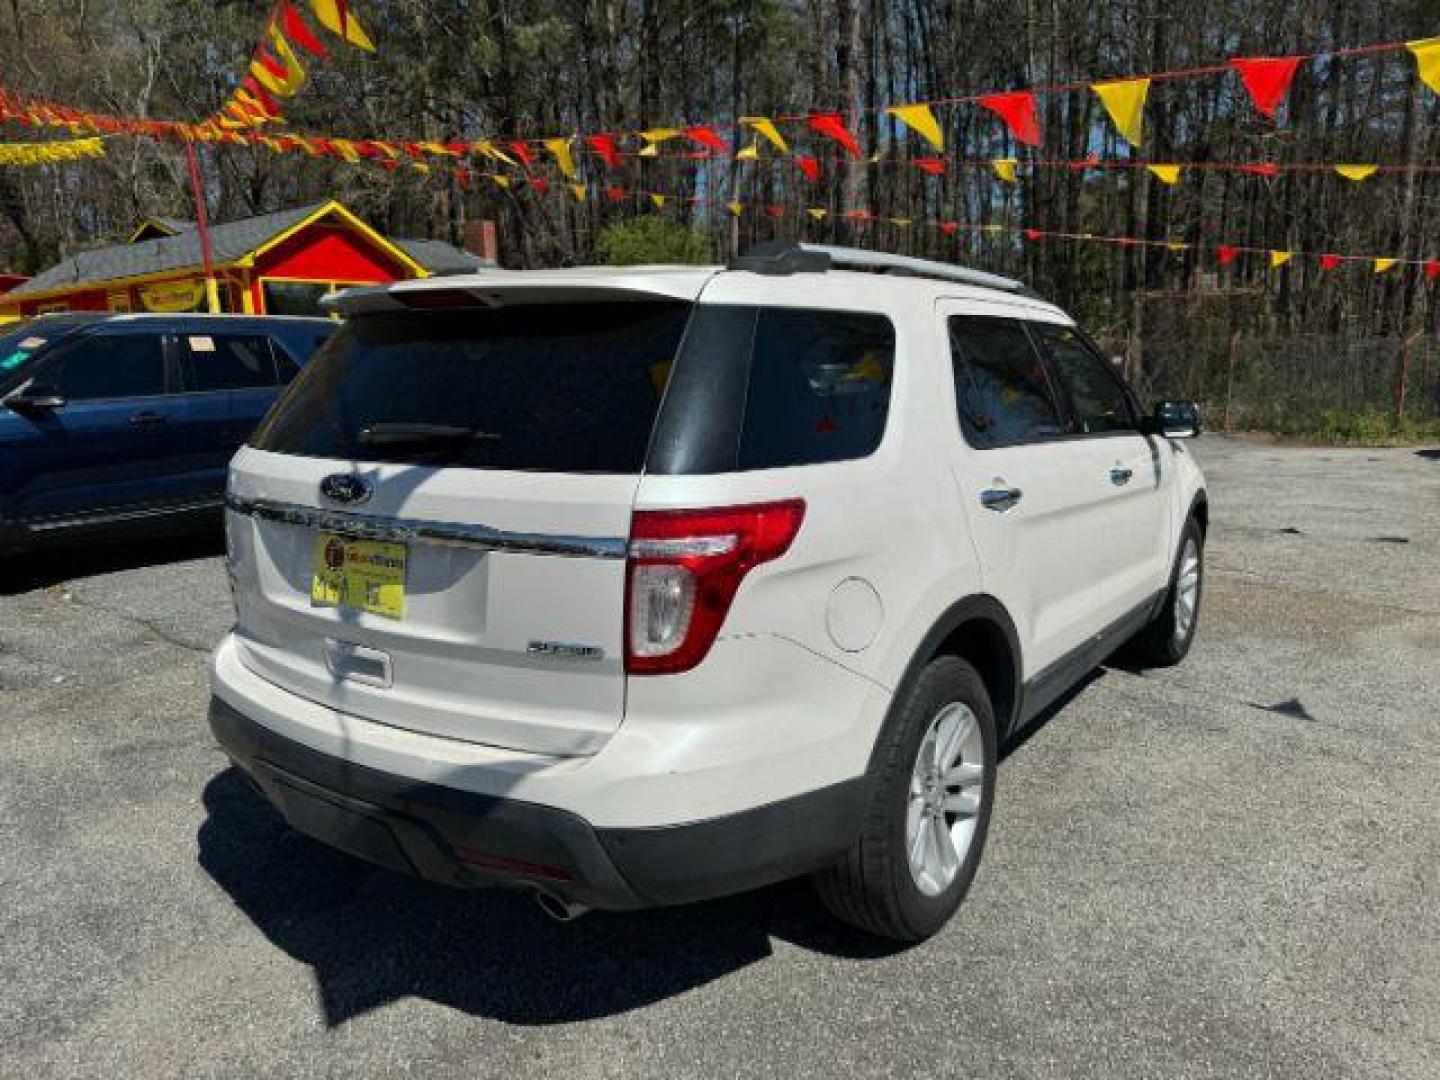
[294,73]
[1427,61]
[327,12]
[818,213]
[561,149]
[1124,100]
[266,78]
[579,191]
[420,167]
[1005,168]
[769,130]
[501,181]
[920,119]
[658,200]
[1175,246]
[654,137]
[1280,258]
[346,149]
[486,148]
[902,222]
[1166,174]
[1356,172]
[735,208]
[750,153]
[1381,265]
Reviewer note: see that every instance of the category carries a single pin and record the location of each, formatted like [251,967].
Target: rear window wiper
[422,436]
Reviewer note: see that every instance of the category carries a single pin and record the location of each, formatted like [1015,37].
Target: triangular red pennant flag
[1018,112]
[949,228]
[1329,262]
[933,165]
[604,145]
[832,125]
[1267,80]
[1263,169]
[523,152]
[1432,268]
[706,137]
[389,165]
[261,95]
[809,166]
[775,210]
[1033,234]
[540,184]
[270,64]
[615,193]
[298,31]
[857,215]
[462,177]
[1227,254]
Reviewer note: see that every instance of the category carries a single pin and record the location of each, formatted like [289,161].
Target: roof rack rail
[781,257]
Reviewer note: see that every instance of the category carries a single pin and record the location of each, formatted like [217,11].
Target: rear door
[429,529]
[1035,521]
[233,378]
[117,445]
[1119,468]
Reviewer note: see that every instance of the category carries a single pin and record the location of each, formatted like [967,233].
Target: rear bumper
[467,839]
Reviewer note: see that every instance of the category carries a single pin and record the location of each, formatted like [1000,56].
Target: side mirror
[35,398]
[1175,420]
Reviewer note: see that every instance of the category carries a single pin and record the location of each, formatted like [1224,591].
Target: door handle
[147,419]
[1120,477]
[1000,499]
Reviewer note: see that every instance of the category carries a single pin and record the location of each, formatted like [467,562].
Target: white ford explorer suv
[640,586]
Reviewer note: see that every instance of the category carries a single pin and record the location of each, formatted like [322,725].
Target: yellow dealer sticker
[364,574]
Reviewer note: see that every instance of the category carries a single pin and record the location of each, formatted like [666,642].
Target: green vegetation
[651,239]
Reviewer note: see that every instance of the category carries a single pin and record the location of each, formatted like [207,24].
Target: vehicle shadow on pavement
[33,570]
[372,937]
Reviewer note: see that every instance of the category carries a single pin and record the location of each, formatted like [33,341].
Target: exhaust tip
[557,908]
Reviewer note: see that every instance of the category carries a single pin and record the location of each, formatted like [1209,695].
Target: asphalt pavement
[1228,869]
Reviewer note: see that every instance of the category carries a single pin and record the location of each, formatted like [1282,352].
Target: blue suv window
[229,361]
[104,366]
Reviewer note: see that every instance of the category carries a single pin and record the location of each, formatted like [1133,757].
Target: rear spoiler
[501,290]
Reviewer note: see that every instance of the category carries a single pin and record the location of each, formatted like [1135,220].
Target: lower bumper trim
[465,839]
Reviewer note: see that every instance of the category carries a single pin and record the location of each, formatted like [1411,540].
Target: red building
[280,263]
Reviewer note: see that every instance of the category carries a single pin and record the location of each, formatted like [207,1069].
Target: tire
[1166,640]
[874,887]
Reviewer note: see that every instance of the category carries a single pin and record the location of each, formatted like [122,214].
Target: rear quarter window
[763,388]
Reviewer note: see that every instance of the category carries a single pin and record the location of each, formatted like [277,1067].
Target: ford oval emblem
[345,488]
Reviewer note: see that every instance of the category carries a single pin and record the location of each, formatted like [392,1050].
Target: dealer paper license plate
[365,574]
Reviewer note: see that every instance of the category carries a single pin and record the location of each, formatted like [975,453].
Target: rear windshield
[551,388]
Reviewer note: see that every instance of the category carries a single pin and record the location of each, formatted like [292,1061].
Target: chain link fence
[1349,389]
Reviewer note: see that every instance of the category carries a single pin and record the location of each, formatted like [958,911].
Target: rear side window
[765,388]
[229,361]
[819,387]
[552,388]
[1096,393]
[109,366]
[1001,388]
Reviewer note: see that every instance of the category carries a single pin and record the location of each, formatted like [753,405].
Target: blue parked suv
[129,421]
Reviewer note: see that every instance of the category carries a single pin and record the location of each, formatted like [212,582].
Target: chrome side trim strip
[99,517]
[444,533]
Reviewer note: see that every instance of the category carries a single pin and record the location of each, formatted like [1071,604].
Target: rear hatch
[429,529]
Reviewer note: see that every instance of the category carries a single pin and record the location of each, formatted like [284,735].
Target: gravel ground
[1224,870]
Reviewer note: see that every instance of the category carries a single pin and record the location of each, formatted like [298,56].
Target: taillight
[683,570]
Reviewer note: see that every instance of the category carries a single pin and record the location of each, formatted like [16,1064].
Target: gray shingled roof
[228,242]
[441,258]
